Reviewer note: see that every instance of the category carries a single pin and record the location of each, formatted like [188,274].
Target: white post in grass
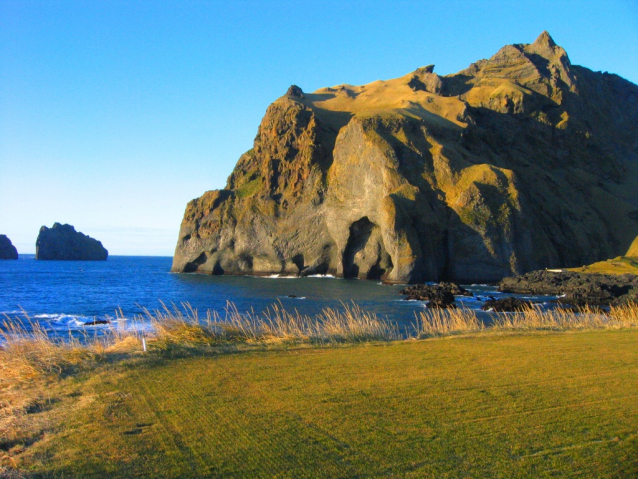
[144,343]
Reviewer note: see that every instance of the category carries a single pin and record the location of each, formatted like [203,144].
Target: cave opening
[365,255]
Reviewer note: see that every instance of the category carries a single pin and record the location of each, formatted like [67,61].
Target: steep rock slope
[519,162]
[62,242]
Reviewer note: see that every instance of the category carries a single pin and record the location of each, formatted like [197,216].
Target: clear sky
[114,114]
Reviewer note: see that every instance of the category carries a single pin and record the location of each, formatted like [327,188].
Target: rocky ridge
[519,162]
[62,242]
[7,250]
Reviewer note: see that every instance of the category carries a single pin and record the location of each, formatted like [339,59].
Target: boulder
[520,162]
[62,242]
[7,250]
[438,295]
[509,304]
[295,91]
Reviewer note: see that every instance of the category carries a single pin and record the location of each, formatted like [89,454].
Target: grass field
[538,404]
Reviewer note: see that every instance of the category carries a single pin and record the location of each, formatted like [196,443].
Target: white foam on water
[66,322]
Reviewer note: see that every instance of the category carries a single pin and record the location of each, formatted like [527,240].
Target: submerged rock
[7,250]
[97,322]
[577,289]
[506,305]
[62,242]
[519,162]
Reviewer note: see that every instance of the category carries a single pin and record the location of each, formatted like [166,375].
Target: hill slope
[519,162]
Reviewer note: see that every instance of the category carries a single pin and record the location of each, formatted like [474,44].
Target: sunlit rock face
[519,162]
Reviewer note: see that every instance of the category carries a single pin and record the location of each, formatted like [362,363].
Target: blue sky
[114,114]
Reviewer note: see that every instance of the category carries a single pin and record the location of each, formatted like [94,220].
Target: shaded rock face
[7,250]
[520,162]
[62,242]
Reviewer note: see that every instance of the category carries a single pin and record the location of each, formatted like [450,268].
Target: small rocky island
[62,242]
[7,250]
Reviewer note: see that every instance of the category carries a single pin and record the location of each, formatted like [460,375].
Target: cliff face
[7,250]
[519,162]
[62,242]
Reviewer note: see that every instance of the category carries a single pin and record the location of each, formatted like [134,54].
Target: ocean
[64,295]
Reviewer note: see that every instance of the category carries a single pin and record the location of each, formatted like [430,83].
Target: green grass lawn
[488,406]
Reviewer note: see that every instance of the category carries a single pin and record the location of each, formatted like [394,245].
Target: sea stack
[62,242]
[520,162]
[7,250]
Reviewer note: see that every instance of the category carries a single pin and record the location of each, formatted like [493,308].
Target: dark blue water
[66,294]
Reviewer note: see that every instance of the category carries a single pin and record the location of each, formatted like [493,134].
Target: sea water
[65,295]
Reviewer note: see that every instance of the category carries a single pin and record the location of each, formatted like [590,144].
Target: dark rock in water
[425,290]
[439,295]
[7,250]
[62,242]
[506,305]
[578,289]
[95,322]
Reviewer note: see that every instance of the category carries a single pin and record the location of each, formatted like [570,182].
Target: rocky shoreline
[573,289]
[576,289]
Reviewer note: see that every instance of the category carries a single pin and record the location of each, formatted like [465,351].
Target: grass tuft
[444,322]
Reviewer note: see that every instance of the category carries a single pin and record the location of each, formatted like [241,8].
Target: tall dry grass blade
[440,322]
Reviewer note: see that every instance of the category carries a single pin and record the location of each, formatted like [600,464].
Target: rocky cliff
[519,162]
[7,250]
[62,242]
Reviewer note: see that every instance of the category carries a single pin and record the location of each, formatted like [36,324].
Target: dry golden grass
[440,322]
[29,351]
[457,321]
[535,318]
[32,361]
